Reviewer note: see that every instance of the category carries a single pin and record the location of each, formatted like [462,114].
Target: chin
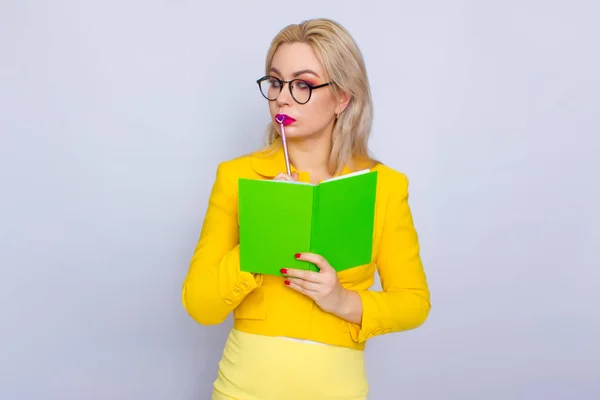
[293,134]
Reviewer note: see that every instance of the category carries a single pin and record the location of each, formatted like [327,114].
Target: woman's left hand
[323,287]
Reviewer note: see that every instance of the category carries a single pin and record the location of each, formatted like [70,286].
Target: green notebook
[278,219]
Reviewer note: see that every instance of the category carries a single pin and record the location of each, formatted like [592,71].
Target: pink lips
[287,120]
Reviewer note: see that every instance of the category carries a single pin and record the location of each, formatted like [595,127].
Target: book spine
[314,225]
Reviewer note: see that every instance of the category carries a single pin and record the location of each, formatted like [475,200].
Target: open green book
[278,219]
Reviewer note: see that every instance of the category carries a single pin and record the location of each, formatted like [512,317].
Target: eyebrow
[297,73]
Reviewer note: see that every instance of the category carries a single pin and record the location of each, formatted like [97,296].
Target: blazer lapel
[270,161]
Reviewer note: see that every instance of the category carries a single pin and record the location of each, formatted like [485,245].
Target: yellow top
[261,304]
[300,371]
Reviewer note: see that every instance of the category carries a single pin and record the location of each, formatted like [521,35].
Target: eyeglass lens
[271,88]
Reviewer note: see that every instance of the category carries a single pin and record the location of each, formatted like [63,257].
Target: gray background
[115,114]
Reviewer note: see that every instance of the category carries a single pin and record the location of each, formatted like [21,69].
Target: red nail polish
[287,283]
[297,255]
[283,271]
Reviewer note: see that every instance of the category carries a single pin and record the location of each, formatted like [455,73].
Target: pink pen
[284,141]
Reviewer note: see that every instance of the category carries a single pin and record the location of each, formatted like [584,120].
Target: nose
[285,97]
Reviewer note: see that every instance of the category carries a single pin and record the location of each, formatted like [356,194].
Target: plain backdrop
[115,114]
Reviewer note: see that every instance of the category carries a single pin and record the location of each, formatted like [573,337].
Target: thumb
[295,176]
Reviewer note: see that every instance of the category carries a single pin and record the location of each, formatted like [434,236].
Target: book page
[294,182]
[364,171]
[350,175]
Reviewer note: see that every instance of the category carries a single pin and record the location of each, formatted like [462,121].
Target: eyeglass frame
[282,82]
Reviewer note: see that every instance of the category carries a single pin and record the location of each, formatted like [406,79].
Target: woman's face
[316,117]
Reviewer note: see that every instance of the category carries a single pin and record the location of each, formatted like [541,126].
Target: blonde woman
[302,335]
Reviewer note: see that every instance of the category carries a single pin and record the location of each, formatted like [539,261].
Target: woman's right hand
[282,176]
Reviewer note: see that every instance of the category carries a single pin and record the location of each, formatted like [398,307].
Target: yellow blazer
[262,304]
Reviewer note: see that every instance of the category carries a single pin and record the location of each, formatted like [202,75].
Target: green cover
[278,219]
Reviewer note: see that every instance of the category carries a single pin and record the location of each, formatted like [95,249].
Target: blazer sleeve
[404,301]
[214,285]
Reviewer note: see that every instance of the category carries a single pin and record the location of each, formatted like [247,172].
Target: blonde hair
[343,62]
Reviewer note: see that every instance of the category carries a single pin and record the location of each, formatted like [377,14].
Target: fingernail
[287,283]
[297,255]
[283,271]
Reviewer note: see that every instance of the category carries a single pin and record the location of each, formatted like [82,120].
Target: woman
[302,335]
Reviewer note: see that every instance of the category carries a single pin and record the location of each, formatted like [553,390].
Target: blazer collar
[270,161]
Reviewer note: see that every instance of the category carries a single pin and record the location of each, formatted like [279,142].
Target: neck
[311,155]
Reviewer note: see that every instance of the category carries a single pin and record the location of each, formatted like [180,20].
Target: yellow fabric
[256,367]
[214,286]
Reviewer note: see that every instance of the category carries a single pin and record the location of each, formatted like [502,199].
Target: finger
[284,177]
[295,176]
[309,276]
[316,259]
[306,285]
[281,177]
[295,286]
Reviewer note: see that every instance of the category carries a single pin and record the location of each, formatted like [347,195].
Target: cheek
[319,110]
[272,108]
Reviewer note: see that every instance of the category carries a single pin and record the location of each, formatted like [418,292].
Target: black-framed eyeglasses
[301,91]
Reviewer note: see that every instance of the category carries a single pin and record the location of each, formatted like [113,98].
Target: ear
[344,100]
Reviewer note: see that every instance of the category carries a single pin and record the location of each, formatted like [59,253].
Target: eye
[273,82]
[303,85]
